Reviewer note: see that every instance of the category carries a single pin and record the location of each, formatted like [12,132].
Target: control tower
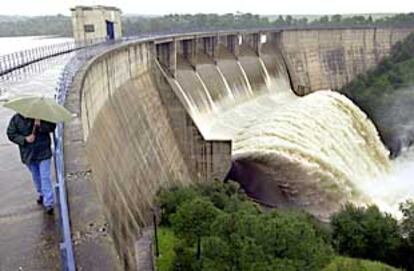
[92,24]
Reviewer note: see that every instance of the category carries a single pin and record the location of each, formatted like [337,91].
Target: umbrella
[38,107]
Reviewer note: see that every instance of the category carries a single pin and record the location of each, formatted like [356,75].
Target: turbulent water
[313,151]
[391,189]
[316,152]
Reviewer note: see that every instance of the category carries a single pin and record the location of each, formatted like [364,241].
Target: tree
[336,19]
[252,240]
[324,20]
[407,230]
[407,224]
[193,219]
[280,20]
[170,200]
[184,258]
[366,233]
[289,20]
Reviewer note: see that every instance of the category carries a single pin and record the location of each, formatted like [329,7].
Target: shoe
[49,210]
[40,200]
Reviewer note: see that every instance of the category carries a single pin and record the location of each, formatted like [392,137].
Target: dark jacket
[40,149]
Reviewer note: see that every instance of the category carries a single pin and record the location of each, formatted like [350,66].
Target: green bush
[366,233]
[249,237]
[169,200]
[407,225]
[407,228]
[220,229]
[223,196]
[184,259]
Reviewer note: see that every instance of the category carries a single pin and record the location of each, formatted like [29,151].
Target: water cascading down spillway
[316,152]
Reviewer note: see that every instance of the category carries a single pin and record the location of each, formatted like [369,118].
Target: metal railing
[17,60]
[66,248]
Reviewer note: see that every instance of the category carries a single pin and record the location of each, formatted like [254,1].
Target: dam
[256,106]
[178,109]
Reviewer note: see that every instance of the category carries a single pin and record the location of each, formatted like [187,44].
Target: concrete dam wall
[133,146]
[142,108]
[328,59]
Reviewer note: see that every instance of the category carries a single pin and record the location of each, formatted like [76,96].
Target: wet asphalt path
[29,238]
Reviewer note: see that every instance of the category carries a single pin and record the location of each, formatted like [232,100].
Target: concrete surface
[330,58]
[95,17]
[145,256]
[29,238]
[92,244]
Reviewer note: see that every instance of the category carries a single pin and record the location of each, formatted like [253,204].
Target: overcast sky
[155,7]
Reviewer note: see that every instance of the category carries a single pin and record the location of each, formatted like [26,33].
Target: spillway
[313,151]
[316,152]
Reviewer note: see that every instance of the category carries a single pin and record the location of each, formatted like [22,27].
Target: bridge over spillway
[140,107]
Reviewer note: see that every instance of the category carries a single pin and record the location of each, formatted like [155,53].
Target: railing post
[21,58]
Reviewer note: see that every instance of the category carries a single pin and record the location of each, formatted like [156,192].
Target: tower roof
[111,8]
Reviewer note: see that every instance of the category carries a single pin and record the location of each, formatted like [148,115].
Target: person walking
[33,138]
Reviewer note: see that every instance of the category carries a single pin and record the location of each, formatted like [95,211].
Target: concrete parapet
[166,54]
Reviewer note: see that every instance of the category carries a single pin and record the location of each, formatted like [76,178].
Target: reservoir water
[10,45]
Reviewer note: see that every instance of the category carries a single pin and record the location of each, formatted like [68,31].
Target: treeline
[171,23]
[386,94]
[135,25]
[214,226]
[36,26]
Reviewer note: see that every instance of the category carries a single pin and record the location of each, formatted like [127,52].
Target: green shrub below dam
[216,227]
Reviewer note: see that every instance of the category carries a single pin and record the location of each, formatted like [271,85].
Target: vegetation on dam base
[386,94]
[168,240]
[216,227]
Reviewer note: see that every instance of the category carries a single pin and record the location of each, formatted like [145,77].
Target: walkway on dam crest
[29,238]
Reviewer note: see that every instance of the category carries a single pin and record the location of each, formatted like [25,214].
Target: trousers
[42,180]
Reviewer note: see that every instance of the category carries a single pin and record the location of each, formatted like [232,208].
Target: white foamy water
[320,149]
[396,187]
[316,152]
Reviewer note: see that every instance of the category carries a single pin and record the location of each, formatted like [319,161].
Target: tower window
[89,28]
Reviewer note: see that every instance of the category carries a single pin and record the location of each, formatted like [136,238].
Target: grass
[350,264]
[167,240]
